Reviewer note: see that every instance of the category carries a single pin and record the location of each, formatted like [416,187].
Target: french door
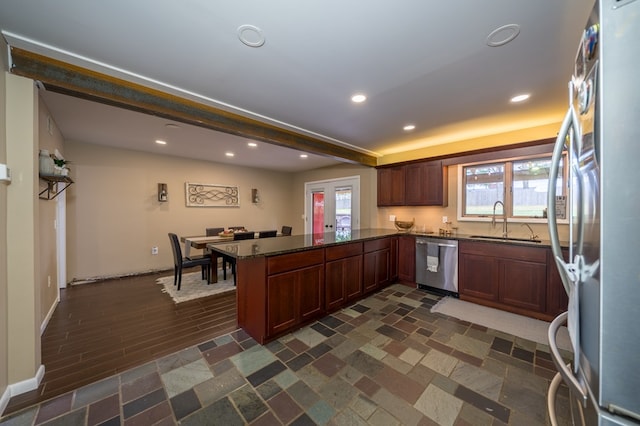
[332,206]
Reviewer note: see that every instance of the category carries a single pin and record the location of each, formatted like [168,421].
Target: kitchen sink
[489,237]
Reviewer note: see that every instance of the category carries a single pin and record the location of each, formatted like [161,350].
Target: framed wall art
[211,195]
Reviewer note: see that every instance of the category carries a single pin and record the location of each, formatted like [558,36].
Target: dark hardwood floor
[104,328]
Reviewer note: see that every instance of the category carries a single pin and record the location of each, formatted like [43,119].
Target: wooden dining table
[200,242]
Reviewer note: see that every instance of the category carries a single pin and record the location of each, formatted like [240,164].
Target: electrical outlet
[445,219]
[154,250]
[392,218]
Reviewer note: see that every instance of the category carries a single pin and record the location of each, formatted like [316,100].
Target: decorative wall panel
[211,195]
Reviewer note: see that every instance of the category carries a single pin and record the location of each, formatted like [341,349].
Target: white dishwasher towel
[433,252]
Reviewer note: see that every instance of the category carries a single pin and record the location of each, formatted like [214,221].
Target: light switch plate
[392,218]
[445,219]
[5,173]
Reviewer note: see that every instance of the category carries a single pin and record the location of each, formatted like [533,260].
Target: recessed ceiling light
[303,156]
[252,144]
[520,98]
[161,142]
[358,98]
[171,126]
[229,154]
[250,35]
[409,127]
[503,35]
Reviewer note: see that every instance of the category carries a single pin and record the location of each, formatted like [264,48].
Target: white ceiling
[420,62]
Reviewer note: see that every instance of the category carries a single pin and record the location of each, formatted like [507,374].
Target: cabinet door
[393,266]
[281,306]
[425,184]
[352,273]
[334,296]
[557,299]
[407,260]
[375,270]
[310,293]
[522,284]
[391,182]
[478,276]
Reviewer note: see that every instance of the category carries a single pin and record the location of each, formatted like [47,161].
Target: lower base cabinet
[407,260]
[508,277]
[376,265]
[343,275]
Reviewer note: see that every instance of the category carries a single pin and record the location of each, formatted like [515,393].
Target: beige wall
[4,343]
[23,297]
[114,216]
[49,138]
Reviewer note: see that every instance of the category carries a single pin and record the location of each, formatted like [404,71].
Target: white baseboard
[21,387]
[47,318]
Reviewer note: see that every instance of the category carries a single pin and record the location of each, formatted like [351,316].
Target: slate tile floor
[387,360]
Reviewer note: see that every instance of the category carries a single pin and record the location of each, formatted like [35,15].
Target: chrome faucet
[504,218]
[533,235]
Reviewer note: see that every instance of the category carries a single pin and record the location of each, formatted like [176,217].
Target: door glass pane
[483,186]
[530,186]
[343,213]
[318,212]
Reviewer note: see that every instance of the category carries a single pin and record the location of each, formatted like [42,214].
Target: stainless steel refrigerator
[601,134]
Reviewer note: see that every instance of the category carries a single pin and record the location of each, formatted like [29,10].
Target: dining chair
[236,228]
[268,234]
[212,232]
[244,235]
[286,230]
[179,262]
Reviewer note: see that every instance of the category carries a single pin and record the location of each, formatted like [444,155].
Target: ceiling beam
[73,80]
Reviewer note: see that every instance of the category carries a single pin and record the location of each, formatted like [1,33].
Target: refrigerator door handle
[565,372]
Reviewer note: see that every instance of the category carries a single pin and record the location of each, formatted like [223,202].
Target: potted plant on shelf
[60,166]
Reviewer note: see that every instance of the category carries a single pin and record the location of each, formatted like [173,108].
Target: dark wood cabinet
[391,183]
[343,275]
[422,183]
[295,290]
[425,184]
[504,276]
[376,264]
[407,260]
[557,299]
[393,267]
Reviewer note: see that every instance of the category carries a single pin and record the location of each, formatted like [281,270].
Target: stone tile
[424,331]
[444,383]
[367,386]
[239,335]
[469,359]
[476,417]
[319,350]
[337,393]
[366,364]
[54,407]
[382,418]
[103,410]
[399,384]
[143,403]
[138,372]
[139,387]
[221,412]
[286,354]
[285,379]
[207,345]
[252,360]
[303,420]
[179,380]
[248,403]
[468,345]
[363,406]
[524,399]
[345,328]
[522,354]
[74,418]
[397,364]
[285,408]
[392,332]
[351,313]
[275,346]
[329,364]
[268,389]
[439,406]
[359,308]
[303,394]
[411,356]
[477,379]
[222,367]
[521,378]
[321,412]
[96,391]
[350,374]
[297,345]
[331,322]
[24,417]
[185,403]
[223,340]
[439,362]
[323,329]
[392,318]
[373,351]
[300,361]
[439,346]
[221,352]
[346,348]
[267,419]
[265,373]
[398,408]
[312,377]
[422,374]
[483,403]
[358,321]
[395,348]
[510,361]
[348,417]
[218,387]
[181,358]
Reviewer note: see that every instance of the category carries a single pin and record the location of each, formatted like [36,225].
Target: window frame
[508,188]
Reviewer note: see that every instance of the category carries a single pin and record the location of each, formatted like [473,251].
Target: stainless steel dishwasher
[437,264]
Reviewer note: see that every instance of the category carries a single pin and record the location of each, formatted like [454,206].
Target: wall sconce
[163,195]
[255,198]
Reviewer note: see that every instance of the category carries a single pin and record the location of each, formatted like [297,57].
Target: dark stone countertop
[291,244]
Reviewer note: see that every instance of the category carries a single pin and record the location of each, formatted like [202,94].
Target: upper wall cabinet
[414,184]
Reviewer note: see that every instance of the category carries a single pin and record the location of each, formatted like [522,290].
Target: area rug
[517,325]
[194,287]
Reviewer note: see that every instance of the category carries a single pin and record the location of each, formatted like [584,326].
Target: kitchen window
[520,184]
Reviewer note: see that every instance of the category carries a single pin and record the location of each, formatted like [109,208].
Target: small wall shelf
[52,190]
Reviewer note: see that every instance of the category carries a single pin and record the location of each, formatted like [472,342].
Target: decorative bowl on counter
[404,226]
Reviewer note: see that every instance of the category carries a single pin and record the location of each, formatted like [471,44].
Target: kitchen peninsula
[286,282]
